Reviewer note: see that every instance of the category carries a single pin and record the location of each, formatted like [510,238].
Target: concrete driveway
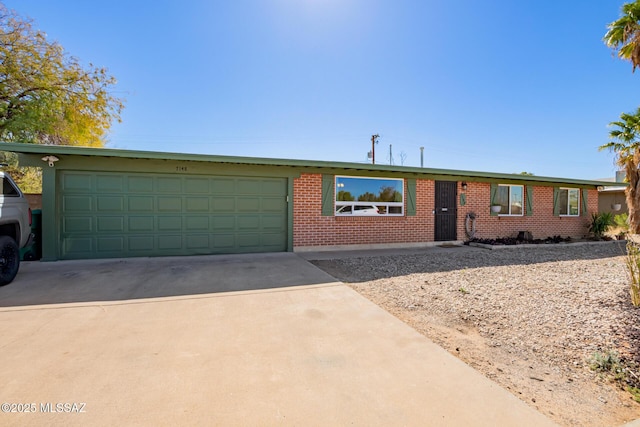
[224,340]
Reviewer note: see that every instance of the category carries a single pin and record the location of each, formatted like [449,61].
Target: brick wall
[35,201]
[541,224]
[310,228]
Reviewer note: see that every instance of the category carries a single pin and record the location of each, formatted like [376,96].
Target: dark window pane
[573,202]
[502,199]
[8,189]
[563,203]
[516,200]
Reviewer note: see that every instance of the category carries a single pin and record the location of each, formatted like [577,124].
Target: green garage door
[105,215]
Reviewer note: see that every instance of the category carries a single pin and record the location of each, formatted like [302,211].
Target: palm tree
[625,143]
[623,35]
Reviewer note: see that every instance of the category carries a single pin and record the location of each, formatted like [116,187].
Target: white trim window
[510,198]
[568,202]
[366,196]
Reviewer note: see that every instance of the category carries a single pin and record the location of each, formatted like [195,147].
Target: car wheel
[9,260]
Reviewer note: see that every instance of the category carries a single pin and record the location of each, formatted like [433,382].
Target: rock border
[540,245]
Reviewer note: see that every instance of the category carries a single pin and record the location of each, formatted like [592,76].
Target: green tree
[623,35]
[46,95]
[625,143]
[345,196]
[389,194]
[28,178]
[367,197]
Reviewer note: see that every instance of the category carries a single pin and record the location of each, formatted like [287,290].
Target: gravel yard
[530,319]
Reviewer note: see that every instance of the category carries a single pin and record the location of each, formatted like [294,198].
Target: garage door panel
[110,183]
[248,223]
[197,241]
[140,203]
[141,243]
[224,242]
[197,204]
[78,182]
[248,186]
[270,187]
[110,224]
[110,203]
[197,223]
[271,204]
[273,240]
[78,245]
[77,203]
[170,185]
[223,204]
[248,204]
[110,244]
[77,224]
[140,184]
[249,241]
[224,223]
[197,185]
[272,223]
[112,214]
[141,223]
[223,186]
[170,204]
[170,223]
[173,242]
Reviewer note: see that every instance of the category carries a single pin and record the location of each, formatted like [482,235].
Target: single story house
[103,203]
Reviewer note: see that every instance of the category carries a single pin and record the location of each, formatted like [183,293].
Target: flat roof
[61,150]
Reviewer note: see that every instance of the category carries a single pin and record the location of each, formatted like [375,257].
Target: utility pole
[421,157]
[374,141]
[390,155]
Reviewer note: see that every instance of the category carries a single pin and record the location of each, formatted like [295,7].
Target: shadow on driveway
[136,278]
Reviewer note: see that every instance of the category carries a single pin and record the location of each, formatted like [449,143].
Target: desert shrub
[622,221]
[607,362]
[633,268]
[600,223]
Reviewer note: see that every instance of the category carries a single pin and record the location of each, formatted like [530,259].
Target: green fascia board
[308,165]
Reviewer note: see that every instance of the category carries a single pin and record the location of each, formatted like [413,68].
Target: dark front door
[445,210]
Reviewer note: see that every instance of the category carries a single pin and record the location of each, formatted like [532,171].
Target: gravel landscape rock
[531,319]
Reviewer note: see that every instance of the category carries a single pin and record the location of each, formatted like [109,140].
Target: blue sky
[499,86]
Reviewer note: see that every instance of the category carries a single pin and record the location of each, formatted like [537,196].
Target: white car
[358,210]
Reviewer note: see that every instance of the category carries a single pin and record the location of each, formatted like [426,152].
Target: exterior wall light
[50,159]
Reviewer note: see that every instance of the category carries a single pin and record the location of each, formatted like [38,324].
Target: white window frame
[568,212]
[522,208]
[383,206]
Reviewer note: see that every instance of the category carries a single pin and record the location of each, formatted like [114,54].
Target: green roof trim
[457,175]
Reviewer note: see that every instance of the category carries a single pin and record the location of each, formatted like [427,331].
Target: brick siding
[541,224]
[310,228]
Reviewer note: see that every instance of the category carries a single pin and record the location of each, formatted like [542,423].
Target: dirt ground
[529,319]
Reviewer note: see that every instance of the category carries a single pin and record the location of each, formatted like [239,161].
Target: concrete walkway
[225,340]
